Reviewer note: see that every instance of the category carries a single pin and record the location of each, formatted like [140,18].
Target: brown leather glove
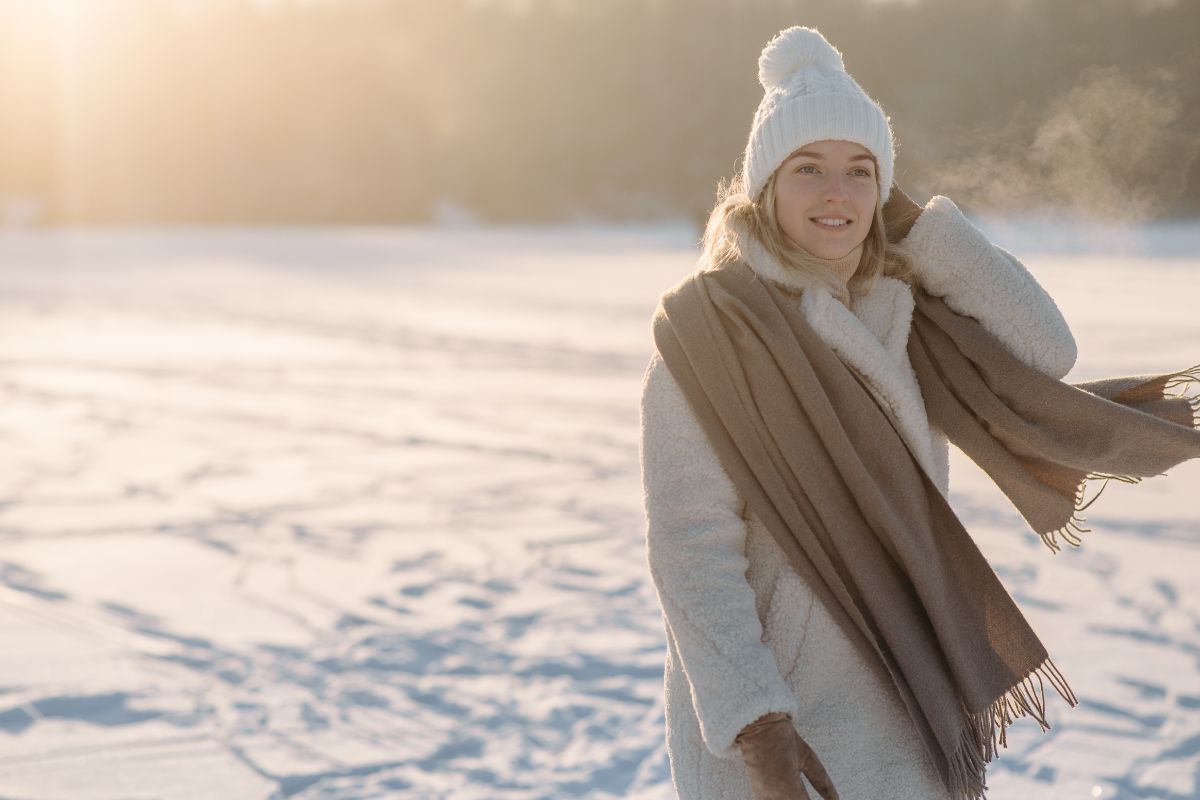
[899,214]
[775,757]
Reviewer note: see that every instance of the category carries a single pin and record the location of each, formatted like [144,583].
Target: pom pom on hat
[792,50]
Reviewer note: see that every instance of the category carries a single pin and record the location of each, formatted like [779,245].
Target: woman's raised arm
[954,260]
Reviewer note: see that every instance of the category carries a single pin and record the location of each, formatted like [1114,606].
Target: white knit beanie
[810,97]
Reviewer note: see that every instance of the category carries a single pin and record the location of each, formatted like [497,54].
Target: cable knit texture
[745,634]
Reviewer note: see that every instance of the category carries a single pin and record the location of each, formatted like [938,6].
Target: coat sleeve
[955,261]
[695,539]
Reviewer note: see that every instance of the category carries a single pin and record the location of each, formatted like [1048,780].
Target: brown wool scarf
[820,462]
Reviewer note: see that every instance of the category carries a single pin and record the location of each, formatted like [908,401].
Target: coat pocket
[786,625]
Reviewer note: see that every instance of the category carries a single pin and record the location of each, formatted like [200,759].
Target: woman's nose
[834,187]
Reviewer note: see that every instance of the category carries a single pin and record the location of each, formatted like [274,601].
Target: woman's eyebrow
[810,154]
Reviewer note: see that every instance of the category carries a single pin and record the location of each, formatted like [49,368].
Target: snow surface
[356,513]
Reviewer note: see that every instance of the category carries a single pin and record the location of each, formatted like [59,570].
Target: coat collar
[871,337]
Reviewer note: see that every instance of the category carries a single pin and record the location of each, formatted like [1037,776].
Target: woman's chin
[824,248]
[830,253]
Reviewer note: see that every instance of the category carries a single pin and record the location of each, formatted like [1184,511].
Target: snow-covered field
[357,514]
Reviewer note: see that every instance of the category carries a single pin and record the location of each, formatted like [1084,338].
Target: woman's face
[825,196]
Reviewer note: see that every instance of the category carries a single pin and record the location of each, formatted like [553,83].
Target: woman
[762,683]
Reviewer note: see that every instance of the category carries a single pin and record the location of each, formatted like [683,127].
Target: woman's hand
[776,756]
[899,214]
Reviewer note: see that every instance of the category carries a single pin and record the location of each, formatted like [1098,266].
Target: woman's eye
[807,168]
[863,172]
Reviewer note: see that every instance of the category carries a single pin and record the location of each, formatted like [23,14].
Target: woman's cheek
[867,197]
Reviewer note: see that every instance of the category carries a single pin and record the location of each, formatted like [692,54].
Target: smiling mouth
[831,223]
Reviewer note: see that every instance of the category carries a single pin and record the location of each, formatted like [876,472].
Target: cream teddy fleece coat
[745,633]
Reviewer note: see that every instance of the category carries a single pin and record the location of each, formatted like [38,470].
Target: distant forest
[397,111]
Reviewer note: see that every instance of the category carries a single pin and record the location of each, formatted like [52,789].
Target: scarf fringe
[987,731]
[1074,526]
[1183,377]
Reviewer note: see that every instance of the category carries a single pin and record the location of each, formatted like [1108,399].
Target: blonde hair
[737,215]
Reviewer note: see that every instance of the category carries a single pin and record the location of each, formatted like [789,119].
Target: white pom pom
[792,50]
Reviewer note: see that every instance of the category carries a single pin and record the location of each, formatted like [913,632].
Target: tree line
[395,111]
